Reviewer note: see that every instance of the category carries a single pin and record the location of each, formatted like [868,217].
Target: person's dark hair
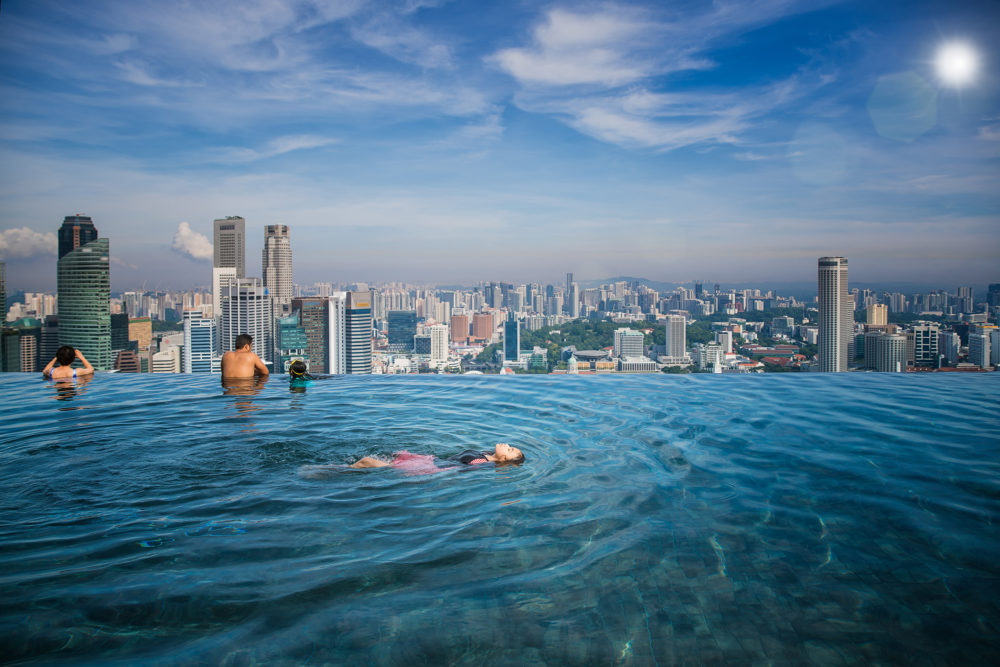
[512,462]
[241,340]
[65,355]
[297,367]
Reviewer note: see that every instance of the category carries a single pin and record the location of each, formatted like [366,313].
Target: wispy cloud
[25,243]
[273,148]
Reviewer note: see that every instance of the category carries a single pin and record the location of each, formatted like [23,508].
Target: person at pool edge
[242,361]
[502,453]
[65,355]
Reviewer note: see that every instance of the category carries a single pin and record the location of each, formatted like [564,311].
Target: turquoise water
[657,520]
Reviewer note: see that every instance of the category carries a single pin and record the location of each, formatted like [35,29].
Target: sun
[957,64]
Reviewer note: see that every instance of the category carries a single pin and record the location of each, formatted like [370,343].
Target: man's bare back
[242,363]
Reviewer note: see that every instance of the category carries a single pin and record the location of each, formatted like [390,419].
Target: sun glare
[957,63]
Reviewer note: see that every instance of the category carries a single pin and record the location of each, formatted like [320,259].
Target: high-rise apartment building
[836,316]
[276,265]
[358,342]
[439,343]
[84,285]
[878,314]
[246,309]
[511,339]
[980,348]
[890,353]
[574,300]
[200,344]
[995,347]
[483,326]
[459,328]
[925,344]
[230,244]
[676,336]
[948,346]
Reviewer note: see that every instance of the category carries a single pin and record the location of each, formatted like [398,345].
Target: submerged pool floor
[657,520]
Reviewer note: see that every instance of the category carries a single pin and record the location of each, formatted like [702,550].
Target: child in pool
[502,454]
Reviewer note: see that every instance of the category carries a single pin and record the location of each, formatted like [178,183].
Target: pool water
[657,520]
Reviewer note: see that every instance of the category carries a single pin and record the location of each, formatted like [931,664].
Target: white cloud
[190,242]
[404,43]
[275,147]
[25,243]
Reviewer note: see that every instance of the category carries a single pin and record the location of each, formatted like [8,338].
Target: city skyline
[447,142]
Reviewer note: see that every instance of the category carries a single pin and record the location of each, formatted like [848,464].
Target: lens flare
[957,64]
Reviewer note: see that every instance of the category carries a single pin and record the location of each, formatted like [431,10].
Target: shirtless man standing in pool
[242,362]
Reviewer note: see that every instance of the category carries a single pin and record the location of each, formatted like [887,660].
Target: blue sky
[435,141]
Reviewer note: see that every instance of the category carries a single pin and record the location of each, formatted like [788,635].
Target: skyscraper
[402,329]
[574,300]
[878,314]
[358,333]
[292,343]
[439,343]
[230,244]
[83,279]
[3,293]
[246,309]
[628,342]
[511,339]
[836,315]
[276,265]
[200,345]
[676,336]
[314,317]
[460,328]
[76,231]
[890,353]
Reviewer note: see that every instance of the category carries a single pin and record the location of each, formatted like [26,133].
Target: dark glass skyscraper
[402,328]
[84,285]
[76,231]
[511,339]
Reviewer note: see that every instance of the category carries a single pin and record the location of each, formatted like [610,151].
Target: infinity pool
[657,520]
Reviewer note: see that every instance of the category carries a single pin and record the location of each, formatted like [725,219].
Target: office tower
[459,328]
[167,360]
[993,295]
[246,309]
[569,281]
[511,339]
[314,317]
[76,231]
[292,342]
[119,331]
[925,344]
[439,343]
[84,286]
[358,333]
[140,330]
[890,353]
[200,353]
[50,338]
[995,347]
[574,301]
[676,336]
[221,278]
[878,314]
[980,348]
[230,244]
[725,340]
[21,343]
[422,344]
[402,329]
[127,361]
[483,326]
[628,343]
[276,265]
[897,302]
[836,315]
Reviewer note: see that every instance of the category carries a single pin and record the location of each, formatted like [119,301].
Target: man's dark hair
[65,355]
[297,367]
[241,341]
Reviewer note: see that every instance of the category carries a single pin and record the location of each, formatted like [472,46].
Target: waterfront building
[167,360]
[980,348]
[628,343]
[200,344]
[836,315]
[640,364]
[439,343]
[676,336]
[402,327]
[230,244]
[276,266]
[84,288]
[459,328]
[511,339]
[878,314]
[890,353]
[246,309]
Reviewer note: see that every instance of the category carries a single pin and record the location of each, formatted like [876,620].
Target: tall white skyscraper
[230,244]
[980,348]
[836,315]
[574,300]
[246,309]
[276,265]
[200,353]
[350,330]
[439,343]
[221,277]
[676,336]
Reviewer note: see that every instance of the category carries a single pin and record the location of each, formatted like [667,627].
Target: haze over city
[453,142]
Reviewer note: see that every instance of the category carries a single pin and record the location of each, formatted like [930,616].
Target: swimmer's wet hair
[65,355]
[297,367]
[512,462]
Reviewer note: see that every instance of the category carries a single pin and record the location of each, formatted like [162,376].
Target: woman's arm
[47,371]
[87,368]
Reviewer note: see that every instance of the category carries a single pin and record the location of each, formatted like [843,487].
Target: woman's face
[505,452]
